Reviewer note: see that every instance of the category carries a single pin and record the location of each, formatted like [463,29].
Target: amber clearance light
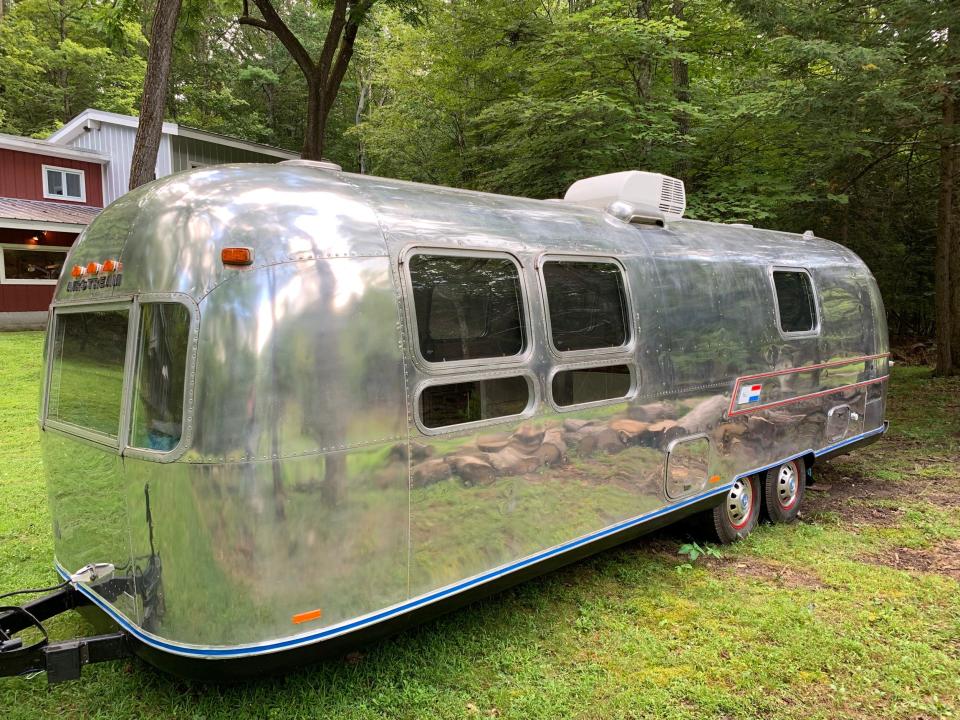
[77,271]
[110,266]
[236,256]
[93,268]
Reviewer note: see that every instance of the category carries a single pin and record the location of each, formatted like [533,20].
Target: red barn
[48,194]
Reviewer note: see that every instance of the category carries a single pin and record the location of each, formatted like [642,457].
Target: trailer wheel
[783,491]
[737,515]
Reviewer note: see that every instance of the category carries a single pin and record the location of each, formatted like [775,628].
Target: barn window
[161,374]
[27,266]
[473,401]
[593,384]
[587,304]
[467,308]
[796,307]
[63,184]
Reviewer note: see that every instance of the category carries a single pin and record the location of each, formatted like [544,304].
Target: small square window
[591,384]
[796,306]
[63,184]
[474,400]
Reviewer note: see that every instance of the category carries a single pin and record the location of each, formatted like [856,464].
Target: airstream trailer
[287,408]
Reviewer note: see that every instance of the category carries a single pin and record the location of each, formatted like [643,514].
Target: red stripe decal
[741,381]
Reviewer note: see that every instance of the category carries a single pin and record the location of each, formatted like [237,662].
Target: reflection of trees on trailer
[410,396]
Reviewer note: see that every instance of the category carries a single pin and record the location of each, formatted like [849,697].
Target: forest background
[830,115]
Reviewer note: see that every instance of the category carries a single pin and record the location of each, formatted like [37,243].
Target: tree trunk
[681,90]
[365,91]
[953,250]
[145,147]
[313,139]
[325,75]
[948,219]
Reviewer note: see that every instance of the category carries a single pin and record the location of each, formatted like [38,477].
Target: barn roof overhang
[45,147]
[19,214]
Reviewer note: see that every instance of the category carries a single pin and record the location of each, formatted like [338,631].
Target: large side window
[796,307]
[473,400]
[86,382]
[467,308]
[161,374]
[587,304]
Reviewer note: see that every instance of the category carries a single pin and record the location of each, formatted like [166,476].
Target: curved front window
[118,373]
[88,355]
[164,333]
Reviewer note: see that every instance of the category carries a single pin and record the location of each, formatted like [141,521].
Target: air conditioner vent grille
[673,199]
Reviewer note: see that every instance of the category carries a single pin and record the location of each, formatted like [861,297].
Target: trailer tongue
[61,660]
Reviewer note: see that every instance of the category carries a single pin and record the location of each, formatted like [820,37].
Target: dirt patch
[862,500]
[770,572]
[942,559]
[857,499]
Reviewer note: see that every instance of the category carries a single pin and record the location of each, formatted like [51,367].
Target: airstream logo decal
[749,394]
[94,283]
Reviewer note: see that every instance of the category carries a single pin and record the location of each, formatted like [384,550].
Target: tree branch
[274,23]
[254,22]
[345,53]
[330,43]
[340,66]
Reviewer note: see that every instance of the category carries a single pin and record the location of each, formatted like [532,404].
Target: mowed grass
[854,612]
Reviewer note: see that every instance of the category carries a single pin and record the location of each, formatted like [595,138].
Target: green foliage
[57,59]
[694,550]
[796,116]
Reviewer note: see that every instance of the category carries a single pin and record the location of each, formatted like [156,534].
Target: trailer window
[467,307]
[585,385]
[161,374]
[86,381]
[472,401]
[587,304]
[796,308]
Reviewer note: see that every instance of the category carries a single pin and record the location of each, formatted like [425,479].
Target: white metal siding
[186,150]
[116,142]
[175,154]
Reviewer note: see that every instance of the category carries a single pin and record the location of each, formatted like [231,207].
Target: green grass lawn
[854,612]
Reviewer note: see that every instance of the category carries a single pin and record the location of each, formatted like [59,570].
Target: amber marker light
[93,268]
[306,616]
[714,478]
[236,256]
[77,271]
[110,266]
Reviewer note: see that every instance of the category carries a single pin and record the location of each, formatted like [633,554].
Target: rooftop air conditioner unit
[640,189]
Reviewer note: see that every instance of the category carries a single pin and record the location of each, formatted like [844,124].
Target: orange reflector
[306,616]
[236,256]
[77,271]
[110,265]
[93,268]
[714,478]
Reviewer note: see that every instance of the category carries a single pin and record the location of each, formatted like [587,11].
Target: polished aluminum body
[306,480]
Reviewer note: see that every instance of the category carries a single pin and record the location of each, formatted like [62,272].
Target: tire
[783,489]
[738,514]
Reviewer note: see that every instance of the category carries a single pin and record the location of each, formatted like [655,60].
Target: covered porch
[35,238]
